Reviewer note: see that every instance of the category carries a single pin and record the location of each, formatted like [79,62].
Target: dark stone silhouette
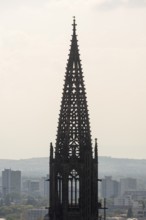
[73,168]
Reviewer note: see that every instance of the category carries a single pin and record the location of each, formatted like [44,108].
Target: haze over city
[34,45]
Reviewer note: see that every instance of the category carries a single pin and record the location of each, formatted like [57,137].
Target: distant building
[109,187]
[31,187]
[36,187]
[137,195]
[139,209]
[123,201]
[44,187]
[11,181]
[127,184]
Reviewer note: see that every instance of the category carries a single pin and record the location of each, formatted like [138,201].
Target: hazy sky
[34,45]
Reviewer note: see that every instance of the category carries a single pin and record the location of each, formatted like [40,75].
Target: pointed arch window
[59,187]
[73,188]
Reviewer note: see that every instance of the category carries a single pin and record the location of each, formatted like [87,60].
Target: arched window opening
[59,187]
[73,188]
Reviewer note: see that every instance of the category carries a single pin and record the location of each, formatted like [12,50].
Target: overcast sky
[34,45]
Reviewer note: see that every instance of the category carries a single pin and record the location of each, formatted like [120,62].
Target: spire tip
[74,24]
[74,19]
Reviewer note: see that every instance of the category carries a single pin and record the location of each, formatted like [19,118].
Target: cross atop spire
[74,25]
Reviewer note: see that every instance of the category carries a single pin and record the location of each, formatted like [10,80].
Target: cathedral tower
[73,165]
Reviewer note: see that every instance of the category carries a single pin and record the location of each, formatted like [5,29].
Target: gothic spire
[73,169]
[73,128]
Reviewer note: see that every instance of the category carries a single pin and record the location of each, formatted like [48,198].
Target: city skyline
[34,41]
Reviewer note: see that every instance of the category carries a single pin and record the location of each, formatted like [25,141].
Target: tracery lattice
[73,128]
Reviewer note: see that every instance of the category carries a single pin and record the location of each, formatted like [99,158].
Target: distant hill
[107,166]
[28,167]
[119,167]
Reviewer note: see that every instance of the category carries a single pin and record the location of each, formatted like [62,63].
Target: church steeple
[73,135]
[73,170]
